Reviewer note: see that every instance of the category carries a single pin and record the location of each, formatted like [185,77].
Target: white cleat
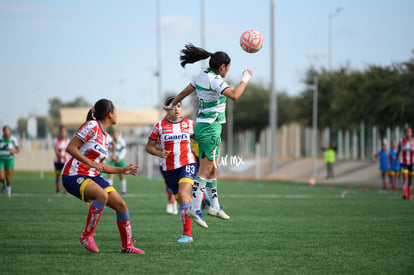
[174,208]
[218,213]
[197,217]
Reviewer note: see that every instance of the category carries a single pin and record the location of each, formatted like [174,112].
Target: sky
[108,49]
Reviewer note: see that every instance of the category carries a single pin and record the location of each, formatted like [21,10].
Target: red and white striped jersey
[94,147]
[60,146]
[174,137]
[406,149]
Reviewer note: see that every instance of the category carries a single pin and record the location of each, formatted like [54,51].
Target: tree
[54,106]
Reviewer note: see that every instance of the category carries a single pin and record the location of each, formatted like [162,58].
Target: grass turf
[275,227]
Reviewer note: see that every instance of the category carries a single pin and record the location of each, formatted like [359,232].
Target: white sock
[111,182]
[198,190]
[8,190]
[213,195]
[123,186]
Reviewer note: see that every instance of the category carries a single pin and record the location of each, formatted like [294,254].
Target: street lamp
[314,125]
[331,16]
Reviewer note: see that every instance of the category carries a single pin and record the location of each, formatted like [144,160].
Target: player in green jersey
[212,92]
[8,147]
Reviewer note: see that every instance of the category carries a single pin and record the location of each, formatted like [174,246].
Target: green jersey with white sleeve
[211,101]
[6,145]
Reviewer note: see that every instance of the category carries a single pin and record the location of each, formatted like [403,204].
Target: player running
[8,148]
[82,175]
[405,155]
[170,140]
[212,92]
[61,156]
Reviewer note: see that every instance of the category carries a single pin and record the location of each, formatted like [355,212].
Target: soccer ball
[251,41]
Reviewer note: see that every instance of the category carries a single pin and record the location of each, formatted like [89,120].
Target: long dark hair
[100,110]
[191,54]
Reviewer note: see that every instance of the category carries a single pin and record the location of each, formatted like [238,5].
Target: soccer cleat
[132,249]
[89,243]
[218,213]
[185,239]
[172,208]
[197,217]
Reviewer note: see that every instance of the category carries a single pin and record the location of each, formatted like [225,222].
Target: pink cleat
[89,243]
[132,249]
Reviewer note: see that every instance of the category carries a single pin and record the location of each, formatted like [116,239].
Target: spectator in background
[330,158]
[8,147]
[61,156]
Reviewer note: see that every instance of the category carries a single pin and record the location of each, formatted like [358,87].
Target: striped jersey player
[61,156]
[174,137]
[95,148]
[405,155]
[170,141]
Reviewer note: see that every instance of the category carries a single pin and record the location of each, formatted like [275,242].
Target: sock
[94,214]
[123,186]
[198,190]
[8,190]
[110,180]
[212,194]
[405,189]
[170,196]
[124,227]
[185,220]
[57,182]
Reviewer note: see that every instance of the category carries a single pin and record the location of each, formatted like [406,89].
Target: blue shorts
[406,168]
[174,177]
[59,166]
[76,185]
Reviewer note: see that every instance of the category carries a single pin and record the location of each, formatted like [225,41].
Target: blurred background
[329,72]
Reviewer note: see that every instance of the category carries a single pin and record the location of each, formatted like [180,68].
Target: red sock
[170,196]
[57,182]
[92,220]
[186,221]
[125,231]
[405,190]
[204,196]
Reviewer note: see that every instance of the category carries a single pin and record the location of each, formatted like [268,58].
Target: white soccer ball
[251,41]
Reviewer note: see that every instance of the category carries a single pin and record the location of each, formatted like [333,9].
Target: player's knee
[183,197]
[102,197]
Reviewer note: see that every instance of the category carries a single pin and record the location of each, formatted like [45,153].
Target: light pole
[314,126]
[159,64]
[331,16]
[273,93]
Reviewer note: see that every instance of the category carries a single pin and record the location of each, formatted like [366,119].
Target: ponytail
[191,54]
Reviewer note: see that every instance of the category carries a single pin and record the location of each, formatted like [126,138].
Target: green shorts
[121,163]
[208,137]
[7,164]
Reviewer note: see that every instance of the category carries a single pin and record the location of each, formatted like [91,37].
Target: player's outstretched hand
[131,169]
[246,75]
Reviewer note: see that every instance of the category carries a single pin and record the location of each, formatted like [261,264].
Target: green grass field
[275,228]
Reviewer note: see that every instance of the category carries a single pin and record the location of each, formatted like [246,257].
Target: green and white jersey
[211,101]
[6,145]
[120,148]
